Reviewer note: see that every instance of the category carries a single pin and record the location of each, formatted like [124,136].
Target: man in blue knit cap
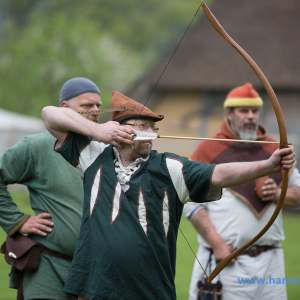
[81,94]
[56,196]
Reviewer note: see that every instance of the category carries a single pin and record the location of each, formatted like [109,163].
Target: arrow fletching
[143,135]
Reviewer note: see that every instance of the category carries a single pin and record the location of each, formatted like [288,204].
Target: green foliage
[110,42]
[32,72]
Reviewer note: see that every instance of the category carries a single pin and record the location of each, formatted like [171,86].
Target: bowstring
[185,238]
[99,111]
[193,18]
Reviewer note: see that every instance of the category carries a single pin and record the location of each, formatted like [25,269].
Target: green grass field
[185,258]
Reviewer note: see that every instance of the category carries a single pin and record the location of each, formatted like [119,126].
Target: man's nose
[95,107]
[250,115]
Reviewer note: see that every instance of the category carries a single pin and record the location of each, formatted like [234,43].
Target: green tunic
[54,187]
[127,243]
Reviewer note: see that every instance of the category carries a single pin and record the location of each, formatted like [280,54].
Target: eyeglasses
[143,127]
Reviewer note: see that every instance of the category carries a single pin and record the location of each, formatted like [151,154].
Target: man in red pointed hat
[221,228]
[133,200]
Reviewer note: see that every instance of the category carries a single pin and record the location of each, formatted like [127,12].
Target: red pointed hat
[133,109]
[243,96]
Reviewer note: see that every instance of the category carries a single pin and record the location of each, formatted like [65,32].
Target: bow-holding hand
[282,159]
[270,191]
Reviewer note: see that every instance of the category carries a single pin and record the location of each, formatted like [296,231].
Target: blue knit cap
[77,86]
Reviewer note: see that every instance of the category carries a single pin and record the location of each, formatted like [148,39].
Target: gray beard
[244,135]
[140,153]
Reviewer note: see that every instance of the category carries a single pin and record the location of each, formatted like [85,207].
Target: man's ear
[65,104]
[229,112]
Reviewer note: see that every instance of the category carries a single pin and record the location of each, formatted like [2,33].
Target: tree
[110,42]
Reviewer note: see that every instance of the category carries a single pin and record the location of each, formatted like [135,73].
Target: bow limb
[282,130]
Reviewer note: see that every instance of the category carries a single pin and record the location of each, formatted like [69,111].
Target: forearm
[11,218]
[231,174]
[205,228]
[59,121]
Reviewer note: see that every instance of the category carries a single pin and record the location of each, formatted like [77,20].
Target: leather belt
[56,254]
[257,250]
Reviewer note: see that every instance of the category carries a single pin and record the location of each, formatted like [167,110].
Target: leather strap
[56,254]
[20,295]
[255,251]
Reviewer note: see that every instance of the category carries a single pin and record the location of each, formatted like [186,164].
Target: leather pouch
[22,252]
[207,290]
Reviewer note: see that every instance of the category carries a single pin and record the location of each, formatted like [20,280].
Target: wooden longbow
[282,130]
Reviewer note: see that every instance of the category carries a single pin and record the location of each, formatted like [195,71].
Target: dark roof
[269,32]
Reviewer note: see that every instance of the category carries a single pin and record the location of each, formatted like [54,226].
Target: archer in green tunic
[127,243]
[133,199]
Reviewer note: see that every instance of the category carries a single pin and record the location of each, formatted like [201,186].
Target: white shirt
[235,222]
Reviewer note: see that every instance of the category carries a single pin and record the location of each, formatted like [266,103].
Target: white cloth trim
[175,170]
[89,154]
[166,213]
[95,189]
[116,205]
[142,211]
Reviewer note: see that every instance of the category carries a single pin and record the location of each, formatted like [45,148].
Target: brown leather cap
[133,109]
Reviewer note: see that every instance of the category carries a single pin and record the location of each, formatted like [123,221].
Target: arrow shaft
[215,139]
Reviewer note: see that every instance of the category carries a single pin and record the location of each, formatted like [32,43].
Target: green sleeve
[15,167]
